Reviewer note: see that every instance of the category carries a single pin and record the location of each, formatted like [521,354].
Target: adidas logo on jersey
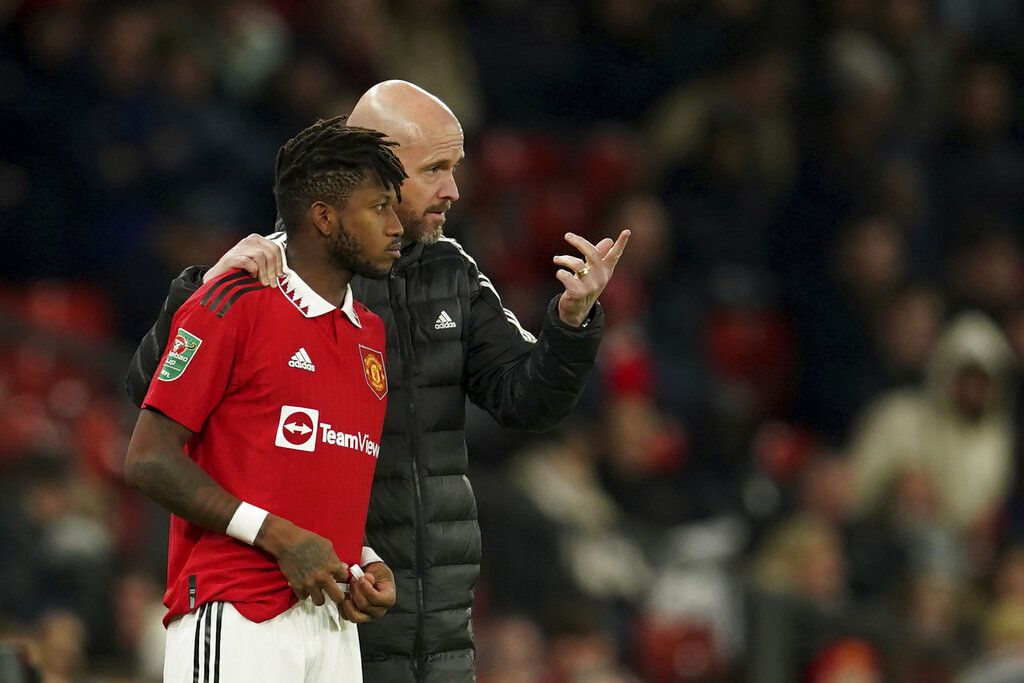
[444,321]
[301,360]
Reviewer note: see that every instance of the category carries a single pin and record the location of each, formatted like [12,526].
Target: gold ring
[583,272]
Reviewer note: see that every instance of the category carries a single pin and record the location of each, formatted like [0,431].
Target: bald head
[430,146]
[401,110]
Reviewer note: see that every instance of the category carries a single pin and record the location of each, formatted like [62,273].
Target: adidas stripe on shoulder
[485,282]
[228,289]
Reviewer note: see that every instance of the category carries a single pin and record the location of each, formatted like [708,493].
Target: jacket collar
[410,254]
[302,296]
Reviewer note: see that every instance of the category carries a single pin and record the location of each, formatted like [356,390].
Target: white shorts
[216,644]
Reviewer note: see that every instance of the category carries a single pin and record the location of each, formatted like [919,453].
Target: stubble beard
[418,230]
[344,253]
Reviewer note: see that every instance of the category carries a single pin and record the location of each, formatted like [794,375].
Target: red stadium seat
[64,308]
[671,651]
[754,348]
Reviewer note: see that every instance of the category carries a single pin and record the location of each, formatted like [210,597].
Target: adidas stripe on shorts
[306,643]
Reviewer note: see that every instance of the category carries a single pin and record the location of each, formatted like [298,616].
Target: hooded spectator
[956,431]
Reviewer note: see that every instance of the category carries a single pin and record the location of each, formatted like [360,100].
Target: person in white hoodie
[950,444]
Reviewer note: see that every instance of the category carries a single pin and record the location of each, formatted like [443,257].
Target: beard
[344,253]
[418,229]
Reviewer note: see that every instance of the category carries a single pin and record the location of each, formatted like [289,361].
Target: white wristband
[369,557]
[245,524]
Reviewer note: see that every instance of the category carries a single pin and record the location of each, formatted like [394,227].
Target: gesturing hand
[584,279]
[371,596]
[307,560]
[256,255]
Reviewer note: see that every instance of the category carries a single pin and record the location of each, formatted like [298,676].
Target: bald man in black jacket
[448,337]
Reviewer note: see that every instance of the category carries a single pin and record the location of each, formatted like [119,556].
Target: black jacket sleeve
[525,383]
[151,349]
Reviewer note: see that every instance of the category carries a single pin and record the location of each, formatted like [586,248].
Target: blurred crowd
[800,459]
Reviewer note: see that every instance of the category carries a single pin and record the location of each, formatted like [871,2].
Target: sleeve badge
[183,349]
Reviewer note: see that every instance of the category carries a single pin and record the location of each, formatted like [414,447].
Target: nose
[393,227]
[449,189]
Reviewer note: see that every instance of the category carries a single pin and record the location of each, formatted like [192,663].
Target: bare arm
[158,467]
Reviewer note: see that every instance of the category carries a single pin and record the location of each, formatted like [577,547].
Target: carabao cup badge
[373,370]
[183,348]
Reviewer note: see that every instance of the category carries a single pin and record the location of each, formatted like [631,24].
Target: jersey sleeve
[195,370]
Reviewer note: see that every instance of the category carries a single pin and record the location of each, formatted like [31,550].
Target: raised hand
[585,278]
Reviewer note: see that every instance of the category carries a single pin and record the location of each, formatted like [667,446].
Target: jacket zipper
[402,314]
[420,598]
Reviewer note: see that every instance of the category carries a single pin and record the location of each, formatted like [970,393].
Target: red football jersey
[286,395]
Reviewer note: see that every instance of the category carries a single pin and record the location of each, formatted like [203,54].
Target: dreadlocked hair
[325,161]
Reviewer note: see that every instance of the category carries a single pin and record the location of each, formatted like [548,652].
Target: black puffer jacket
[448,338]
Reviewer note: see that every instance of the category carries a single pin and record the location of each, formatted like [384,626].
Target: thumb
[340,572]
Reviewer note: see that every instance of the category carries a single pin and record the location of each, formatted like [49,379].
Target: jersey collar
[302,296]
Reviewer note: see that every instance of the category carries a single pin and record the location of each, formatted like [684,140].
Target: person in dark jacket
[448,338]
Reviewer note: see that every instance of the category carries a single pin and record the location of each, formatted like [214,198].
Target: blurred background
[799,459]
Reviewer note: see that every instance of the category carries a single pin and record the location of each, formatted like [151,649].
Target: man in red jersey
[450,340]
[261,432]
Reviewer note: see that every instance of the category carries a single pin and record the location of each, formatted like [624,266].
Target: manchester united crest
[373,370]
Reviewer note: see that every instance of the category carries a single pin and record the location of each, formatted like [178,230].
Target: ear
[323,217]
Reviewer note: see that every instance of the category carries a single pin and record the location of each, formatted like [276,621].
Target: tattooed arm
[158,467]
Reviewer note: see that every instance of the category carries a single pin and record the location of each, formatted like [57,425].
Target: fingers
[276,259]
[264,261]
[569,262]
[320,583]
[569,281]
[340,572]
[246,263]
[299,591]
[369,598]
[582,292]
[385,596]
[256,255]
[315,590]
[372,598]
[606,253]
[359,598]
[585,247]
[334,591]
[620,244]
[319,587]
[328,580]
[352,613]
[574,282]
